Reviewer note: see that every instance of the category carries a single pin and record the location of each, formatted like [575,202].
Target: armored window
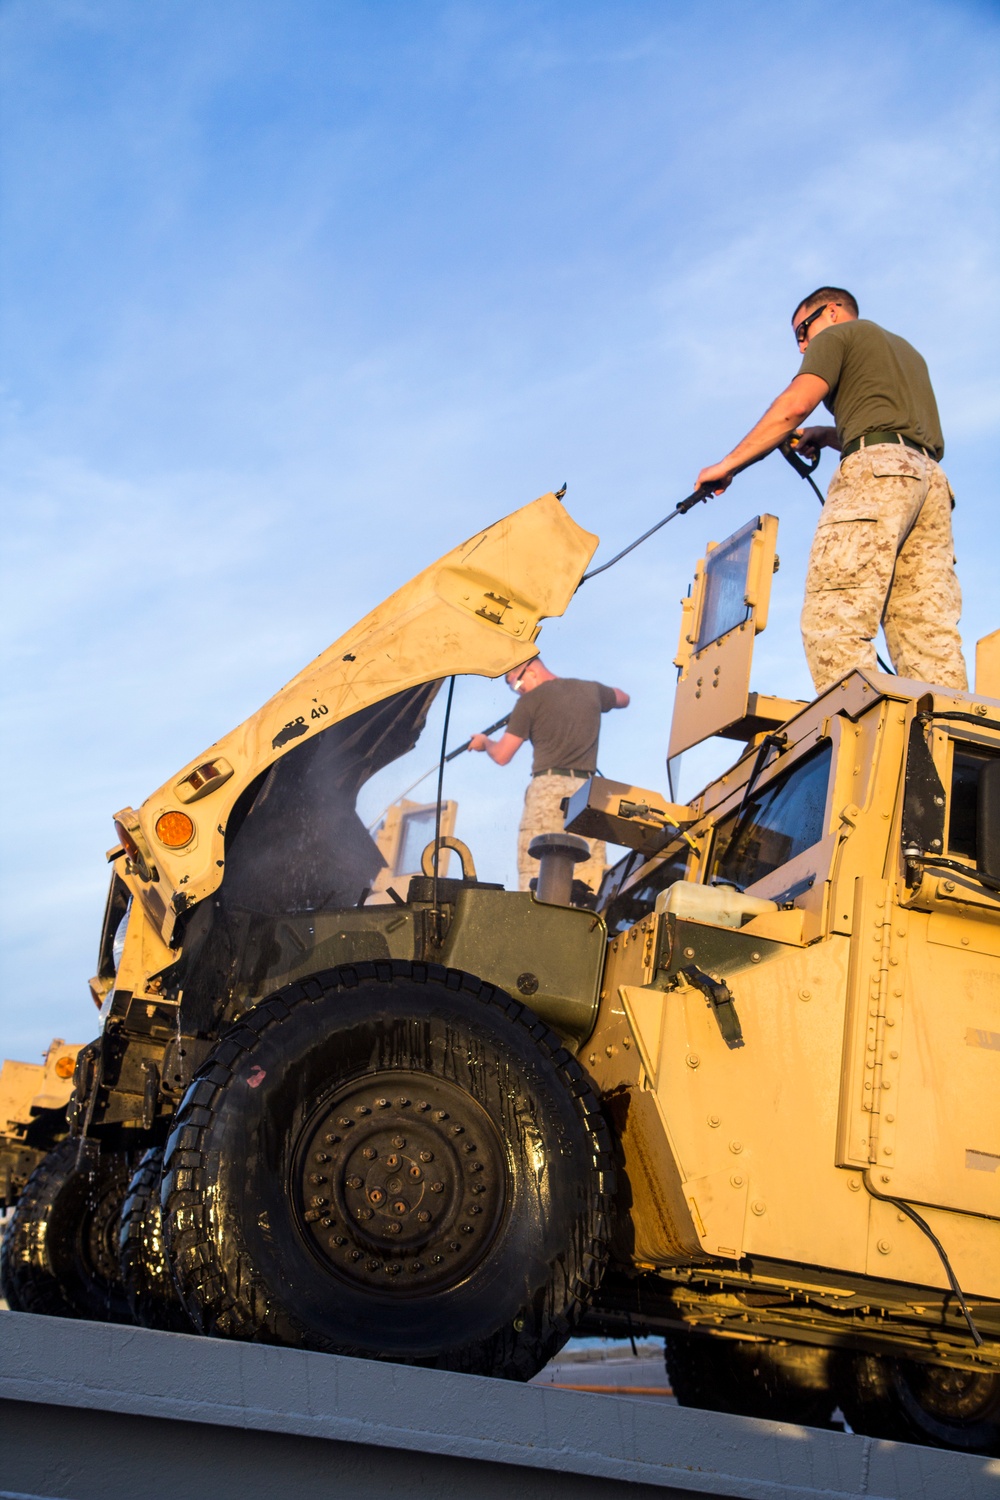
[726,568]
[963,807]
[628,907]
[779,822]
[417,832]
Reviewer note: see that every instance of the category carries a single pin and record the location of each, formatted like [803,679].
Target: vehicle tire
[912,1402]
[60,1252]
[392,1160]
[779,1381]
[149,1286]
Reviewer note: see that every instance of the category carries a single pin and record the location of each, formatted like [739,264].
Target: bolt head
[758,1207]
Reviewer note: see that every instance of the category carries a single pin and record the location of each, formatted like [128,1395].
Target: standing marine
[883,550]
[561,716]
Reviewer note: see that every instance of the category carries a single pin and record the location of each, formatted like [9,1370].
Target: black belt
[562,771]
[870,439]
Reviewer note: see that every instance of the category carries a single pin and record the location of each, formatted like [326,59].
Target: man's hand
[500,751]
[809,440]
[719,476]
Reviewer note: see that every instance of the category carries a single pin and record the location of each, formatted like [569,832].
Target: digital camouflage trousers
[883,554]
[543,814]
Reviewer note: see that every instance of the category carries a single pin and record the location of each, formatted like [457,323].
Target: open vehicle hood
[477,611]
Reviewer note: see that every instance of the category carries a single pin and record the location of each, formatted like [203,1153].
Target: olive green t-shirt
[878,382]
[562,719]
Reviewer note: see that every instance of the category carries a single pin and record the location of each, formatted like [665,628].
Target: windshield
[779,822]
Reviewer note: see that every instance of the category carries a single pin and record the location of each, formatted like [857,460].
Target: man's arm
[501,751]
[781,419]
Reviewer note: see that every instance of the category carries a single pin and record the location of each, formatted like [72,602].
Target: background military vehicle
[33,1100]
[750,1103]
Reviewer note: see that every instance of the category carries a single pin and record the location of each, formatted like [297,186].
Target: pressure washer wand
[695,498]
[431,769]
[462,748]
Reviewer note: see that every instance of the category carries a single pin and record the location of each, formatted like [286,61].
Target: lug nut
[399,1140]
[415,1173]
[458,1130]
[370,1153]
[364,1213]
[382,1103]
[331,1140]
[417,1265]
[321,1156]
[437,1187]
[376,1196]
[399,1207]
[423,1217]
[427,1156]
[469,1146]
[354,1182]
[440,1114]
[392,1162]
[402,1103]
[362,1109]
[394,1228]
[474,1208]
[316,1178]
[466,1228]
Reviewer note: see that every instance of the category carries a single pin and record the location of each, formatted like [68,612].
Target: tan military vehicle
[749,1103]
[33,1100]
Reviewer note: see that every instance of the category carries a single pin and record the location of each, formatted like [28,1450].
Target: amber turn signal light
[65,1067]
[175,829]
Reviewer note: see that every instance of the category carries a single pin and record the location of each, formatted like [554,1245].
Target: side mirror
[988,821]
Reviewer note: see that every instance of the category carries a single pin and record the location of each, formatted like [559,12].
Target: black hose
[922,1224]
[440,793]
[805,470]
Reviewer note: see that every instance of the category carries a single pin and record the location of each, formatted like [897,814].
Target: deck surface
[93,1411]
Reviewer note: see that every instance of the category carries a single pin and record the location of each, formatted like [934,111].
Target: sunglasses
[801,329]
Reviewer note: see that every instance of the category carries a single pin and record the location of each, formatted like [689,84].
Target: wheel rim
[400,1183]
[99,1231]
[951,1396]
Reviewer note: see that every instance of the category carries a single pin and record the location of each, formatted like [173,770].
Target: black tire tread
[28,1274]
[248,1313]
[146,1276]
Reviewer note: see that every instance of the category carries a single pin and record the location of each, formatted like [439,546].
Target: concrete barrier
[95,1412]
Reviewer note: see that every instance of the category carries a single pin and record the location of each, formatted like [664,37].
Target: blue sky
[297,295]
